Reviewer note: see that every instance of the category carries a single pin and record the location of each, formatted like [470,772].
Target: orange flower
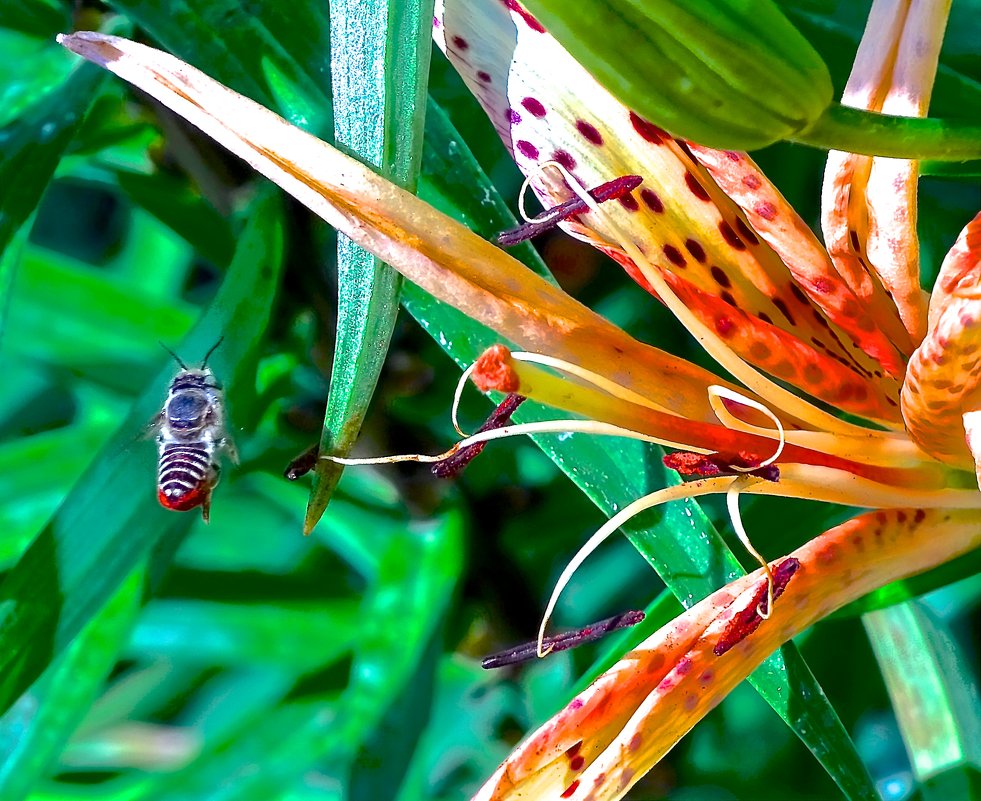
[711,237]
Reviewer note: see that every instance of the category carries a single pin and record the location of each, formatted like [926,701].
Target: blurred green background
[144,655]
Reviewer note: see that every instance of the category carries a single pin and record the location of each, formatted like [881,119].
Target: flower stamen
[539,224]
[564,641]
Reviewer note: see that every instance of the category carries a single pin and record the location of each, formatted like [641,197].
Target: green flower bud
[733,74]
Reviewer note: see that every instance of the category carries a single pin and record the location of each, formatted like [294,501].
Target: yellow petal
[610,735]
[429,248]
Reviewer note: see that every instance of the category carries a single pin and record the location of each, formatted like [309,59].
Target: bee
[190,435]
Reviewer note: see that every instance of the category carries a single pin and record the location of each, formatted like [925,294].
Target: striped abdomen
[186,474]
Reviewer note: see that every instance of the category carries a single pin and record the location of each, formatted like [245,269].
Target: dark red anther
[697,465]
[303,463]
[611,190]
[563,642]
[452,466]
[748,620]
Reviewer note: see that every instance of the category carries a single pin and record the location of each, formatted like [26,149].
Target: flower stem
[858,131]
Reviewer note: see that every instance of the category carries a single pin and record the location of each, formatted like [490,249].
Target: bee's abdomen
[185,474]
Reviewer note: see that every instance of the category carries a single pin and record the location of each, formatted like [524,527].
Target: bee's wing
[151,428]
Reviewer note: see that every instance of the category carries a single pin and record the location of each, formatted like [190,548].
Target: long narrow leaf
[380,64]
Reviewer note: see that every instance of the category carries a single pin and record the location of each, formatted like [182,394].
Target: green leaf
[676,539]
[30,149]
[36,728]
[275,53]
[111,518]
[41,18]
[934,696]
[380,75]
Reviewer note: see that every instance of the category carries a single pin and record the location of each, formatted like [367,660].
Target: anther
[749,619]
[303,463]
[547,220]
[562,642]
[697,465]
[454,464]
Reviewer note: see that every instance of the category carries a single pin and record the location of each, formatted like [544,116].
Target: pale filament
[574,185]
[457,395]
[715,393]
[595,379]
[541,427]
[732,504]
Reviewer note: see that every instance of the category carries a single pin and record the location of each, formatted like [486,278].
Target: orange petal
[942,384]
[869,204]
[610,735]
[547,107]
[773,218]
[429,248]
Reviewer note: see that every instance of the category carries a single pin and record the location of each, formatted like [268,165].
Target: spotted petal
[547,107]
[617,729]
[869,203]
[941,400]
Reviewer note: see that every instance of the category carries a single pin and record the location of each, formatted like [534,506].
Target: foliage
[145,655]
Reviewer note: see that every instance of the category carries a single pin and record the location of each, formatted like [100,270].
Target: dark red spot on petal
[901,516]
[460,43]
[512,116]
[635,742]
[813,374]
[746,232]
[765,209]
[629,202]
[526,149]
[483,77]
[674,255]
[696,250]
[759,351]
[720,277]
[799,294]
[726,297]
[695,187]
[752,182]
[533,107]
[782,307]
[765,317]
[684,667]
[731,237]
[853,236]
[725,326]
[651,200]
[577,762]
[919,517]
[564,157]
[568,792]
[647,129]
[589,132]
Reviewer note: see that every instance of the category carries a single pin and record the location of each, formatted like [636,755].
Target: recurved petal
[619,728]
[869,204]
[429,248]
[942,383]
[548,108]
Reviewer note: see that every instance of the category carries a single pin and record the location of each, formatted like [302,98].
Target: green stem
[858,131]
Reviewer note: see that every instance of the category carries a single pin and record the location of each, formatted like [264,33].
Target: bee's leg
[206,508]
[228,445]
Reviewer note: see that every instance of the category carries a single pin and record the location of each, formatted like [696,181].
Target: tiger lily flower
[712,238]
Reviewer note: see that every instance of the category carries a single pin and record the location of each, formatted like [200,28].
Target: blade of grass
[40,723]
[273,52]
[676,539]
[111,518]
[30,149]
[934,696]
[380,56]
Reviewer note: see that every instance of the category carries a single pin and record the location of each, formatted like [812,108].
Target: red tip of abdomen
[189,500]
